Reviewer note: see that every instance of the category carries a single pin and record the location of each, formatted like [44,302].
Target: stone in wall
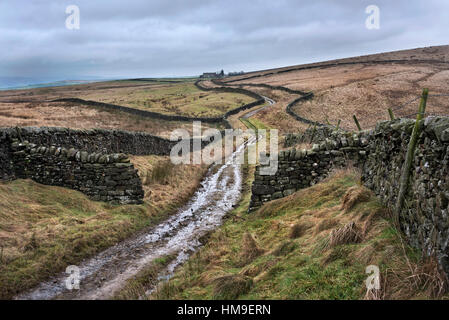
[6,165]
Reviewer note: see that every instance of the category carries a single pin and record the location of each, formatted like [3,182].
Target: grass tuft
[160,173]
[354,196]
[349,233]
[297,230]
[231,287]
[250,250]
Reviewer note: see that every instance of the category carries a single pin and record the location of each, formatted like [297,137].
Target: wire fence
[402,106]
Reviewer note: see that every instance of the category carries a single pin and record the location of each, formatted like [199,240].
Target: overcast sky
[145,38]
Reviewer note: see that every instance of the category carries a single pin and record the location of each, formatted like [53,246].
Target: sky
[158,38]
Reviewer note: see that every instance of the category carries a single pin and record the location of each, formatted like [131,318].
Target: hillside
[314,244]
[357,86]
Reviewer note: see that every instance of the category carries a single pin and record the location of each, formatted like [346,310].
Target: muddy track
[104,274]
[252,113]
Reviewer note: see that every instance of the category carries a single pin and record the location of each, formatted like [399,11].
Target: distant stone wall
[259,99]
[155,115]
[102,177]
[139,112]
[261,85]
[380,154]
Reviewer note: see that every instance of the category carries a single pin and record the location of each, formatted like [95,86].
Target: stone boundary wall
[262,85]
[424,218]
[102,177]
[259,99]
[95,158]
[139,112]
[298,169]
[156,115]
[92,140]
[303,97]
[298,117]
[380,154]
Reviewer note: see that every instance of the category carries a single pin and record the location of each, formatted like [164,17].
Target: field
[76,116]
[175,99]
[366,90]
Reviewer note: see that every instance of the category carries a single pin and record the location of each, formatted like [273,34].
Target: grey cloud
[186,37]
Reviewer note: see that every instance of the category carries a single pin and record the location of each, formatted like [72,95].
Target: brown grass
[353,196]
[231,286]
[297,230]
[363,89]
[325,224]
[160,173]
[44,228]
[349,233]
[250,250]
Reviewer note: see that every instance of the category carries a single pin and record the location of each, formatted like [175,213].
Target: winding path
[253,112]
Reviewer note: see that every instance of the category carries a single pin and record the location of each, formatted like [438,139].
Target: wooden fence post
[313,132]
[390,112]
[409,157]
[357,122]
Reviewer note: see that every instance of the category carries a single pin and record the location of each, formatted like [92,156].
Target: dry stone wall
[91,161]
[380,154]
[298,169]
[94,159]
[105,177]
[424,217]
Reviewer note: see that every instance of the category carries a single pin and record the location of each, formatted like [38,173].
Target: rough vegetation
[45,228]
[309,265]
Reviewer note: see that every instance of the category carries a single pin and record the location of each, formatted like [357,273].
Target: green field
[170,98]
